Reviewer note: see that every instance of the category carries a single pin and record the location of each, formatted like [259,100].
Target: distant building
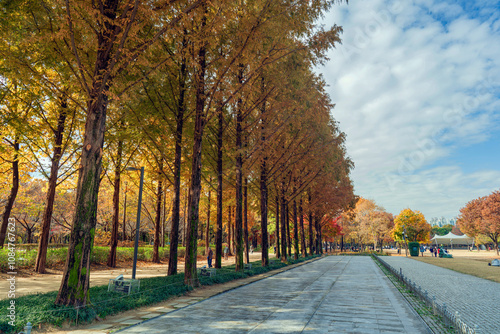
[442,221]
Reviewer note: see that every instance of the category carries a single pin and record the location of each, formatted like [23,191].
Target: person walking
[226,252]
[210,256]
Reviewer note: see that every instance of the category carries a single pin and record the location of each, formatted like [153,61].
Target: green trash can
[414,248]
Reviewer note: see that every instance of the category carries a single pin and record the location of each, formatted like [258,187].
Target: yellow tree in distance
[413,224]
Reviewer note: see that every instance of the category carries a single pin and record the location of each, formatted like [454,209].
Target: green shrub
[125,253]
[26,258]
[363,253]
[99,254]
[56,255]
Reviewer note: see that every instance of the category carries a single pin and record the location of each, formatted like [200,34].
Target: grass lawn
[467,265]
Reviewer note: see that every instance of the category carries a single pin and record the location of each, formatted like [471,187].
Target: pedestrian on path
[210,256]
[226,252]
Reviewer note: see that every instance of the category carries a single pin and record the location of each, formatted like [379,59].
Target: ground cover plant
[40,308]
[369,253]
[55,256]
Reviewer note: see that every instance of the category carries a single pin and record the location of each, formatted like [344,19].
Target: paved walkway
[336,294]
[477,300]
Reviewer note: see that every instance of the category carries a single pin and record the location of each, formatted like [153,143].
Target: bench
[204,271]
[120,284]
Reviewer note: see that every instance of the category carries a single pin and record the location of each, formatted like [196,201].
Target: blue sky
[417,91]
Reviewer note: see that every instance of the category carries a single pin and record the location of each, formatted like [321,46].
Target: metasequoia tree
[120,152]
[97,49]
[62,148]
[14,114]
[53,127]
[249,27]
[161,109]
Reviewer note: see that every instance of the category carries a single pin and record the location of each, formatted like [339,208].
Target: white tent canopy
[452,239]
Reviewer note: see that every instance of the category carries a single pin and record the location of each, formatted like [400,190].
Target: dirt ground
[468,262]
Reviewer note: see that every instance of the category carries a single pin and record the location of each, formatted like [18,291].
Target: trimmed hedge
[363,253]
[40,308]
[26,258]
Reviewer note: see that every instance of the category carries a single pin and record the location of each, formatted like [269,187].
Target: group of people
[435,250]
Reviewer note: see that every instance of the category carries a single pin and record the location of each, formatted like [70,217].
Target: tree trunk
[283,226]
[185,219]
[311,217]
[494,238]
[263,214]
[295,231]
[238,219]
[164,219]
[311,245]
[287,222]
[156,245]
[230,230]
[75,280]
[278,250]
[13,193]
[190,273]
[319,246]
[176,205]
[263,188]
[51,191]
[124,236]
[245,220]
[116,208]
[218,234]
[302,232]
[207,230]
[29,233]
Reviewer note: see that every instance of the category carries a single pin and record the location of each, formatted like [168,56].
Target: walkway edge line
[450,319]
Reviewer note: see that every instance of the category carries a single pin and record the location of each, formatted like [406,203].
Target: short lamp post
[138,223]
[405,241]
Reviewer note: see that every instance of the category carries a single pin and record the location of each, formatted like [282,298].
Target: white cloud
[412,82]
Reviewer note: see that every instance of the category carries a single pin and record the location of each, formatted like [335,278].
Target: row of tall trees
[92,88]
[367,223]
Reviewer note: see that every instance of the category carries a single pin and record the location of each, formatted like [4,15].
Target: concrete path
[477,300]
[336,294]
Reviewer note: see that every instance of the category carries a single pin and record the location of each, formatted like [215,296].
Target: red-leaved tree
[481,216]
